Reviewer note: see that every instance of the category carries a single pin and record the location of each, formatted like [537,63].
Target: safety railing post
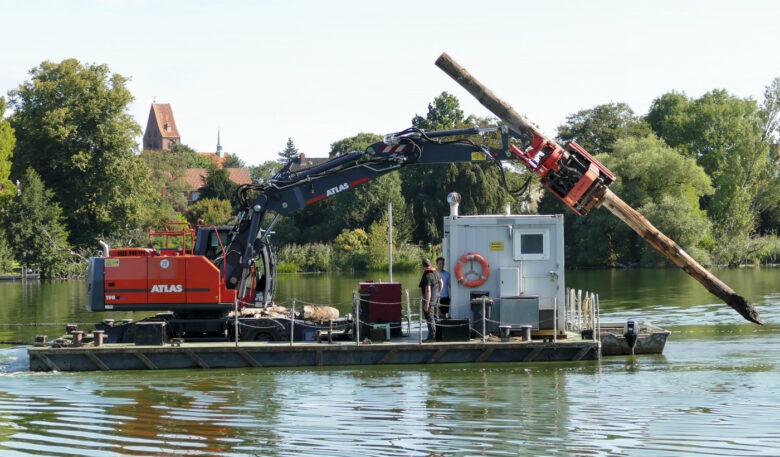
[356,305]
[292,322]
[484,317]
[408,314]
[421,319]
[555,318]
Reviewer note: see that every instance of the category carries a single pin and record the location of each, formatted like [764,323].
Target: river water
[714,391]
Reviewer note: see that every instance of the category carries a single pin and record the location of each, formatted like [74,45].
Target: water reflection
[715,391]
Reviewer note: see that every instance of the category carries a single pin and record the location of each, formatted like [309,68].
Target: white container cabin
[524,254]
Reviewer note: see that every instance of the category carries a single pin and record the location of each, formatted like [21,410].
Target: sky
[260,72]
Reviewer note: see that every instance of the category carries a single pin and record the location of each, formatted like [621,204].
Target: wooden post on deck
[610,201]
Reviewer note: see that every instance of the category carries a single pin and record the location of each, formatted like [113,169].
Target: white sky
[319,71]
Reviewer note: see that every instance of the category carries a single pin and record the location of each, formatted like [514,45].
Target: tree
[349,249]
[377,243]
[364,205]
[7,141]
[289,152]
[36,233]
[188,157]
[356,209]
[657,181]
[210,211]
[597,129]
[233,161]
[6,254]
[425,187]
[665,188]
[73,127]
[726,136]
[166,172]
[769,196]
[218,184]
[264,171]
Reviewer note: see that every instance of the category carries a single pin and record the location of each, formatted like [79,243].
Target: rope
[43,324]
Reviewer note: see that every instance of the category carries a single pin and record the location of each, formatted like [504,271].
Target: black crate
[378,334]
[453,330]
[150,334]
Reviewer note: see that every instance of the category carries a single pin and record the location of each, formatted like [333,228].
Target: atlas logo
[334,190]
[166,288]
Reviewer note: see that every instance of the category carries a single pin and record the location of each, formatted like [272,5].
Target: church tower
[161,131]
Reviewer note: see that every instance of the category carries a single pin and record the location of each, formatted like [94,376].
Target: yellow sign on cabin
[496,245]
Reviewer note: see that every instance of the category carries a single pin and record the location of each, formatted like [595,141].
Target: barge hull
[258,355]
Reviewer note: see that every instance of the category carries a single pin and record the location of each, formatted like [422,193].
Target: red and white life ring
[479,278]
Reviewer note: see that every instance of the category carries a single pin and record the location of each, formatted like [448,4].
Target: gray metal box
[517,311]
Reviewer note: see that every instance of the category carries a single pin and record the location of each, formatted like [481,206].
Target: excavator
[209,275]
[202,276]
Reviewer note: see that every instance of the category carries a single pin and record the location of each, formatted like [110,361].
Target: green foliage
[349,250]
[597,129]
[443,113]
[406,257]
[726,136]
[233,161]
[666,188]
[772,253]
[73,127]
[768,198]
[377,246]
[6,254]
[35,230]
[361,207]
[166,172]
[186,157]
[308,225]
[660,184]
[678,220]
[7,141]
[289,152]
[356,209]
[154,217]
[210,211]
[265,171]
[426,187]
[218,185]
[312,257]
[770,111]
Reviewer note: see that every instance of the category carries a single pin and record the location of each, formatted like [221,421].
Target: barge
[509,303]
[263,354]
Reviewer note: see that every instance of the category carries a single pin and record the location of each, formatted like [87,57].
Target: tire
[263,330]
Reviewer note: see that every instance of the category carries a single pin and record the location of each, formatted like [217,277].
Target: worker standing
[444,300]
[430,287]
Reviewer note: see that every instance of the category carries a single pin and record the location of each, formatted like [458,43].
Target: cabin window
[531,245]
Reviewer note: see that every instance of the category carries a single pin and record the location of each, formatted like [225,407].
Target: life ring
[480,277]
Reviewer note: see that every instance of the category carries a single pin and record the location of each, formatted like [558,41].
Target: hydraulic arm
[572,174]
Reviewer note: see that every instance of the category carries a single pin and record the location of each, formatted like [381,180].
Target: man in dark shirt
[430,287]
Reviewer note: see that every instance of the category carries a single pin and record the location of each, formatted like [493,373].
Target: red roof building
[196,179]
[161,131]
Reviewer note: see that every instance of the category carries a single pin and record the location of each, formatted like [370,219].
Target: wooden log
[676,254]
[612,202]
